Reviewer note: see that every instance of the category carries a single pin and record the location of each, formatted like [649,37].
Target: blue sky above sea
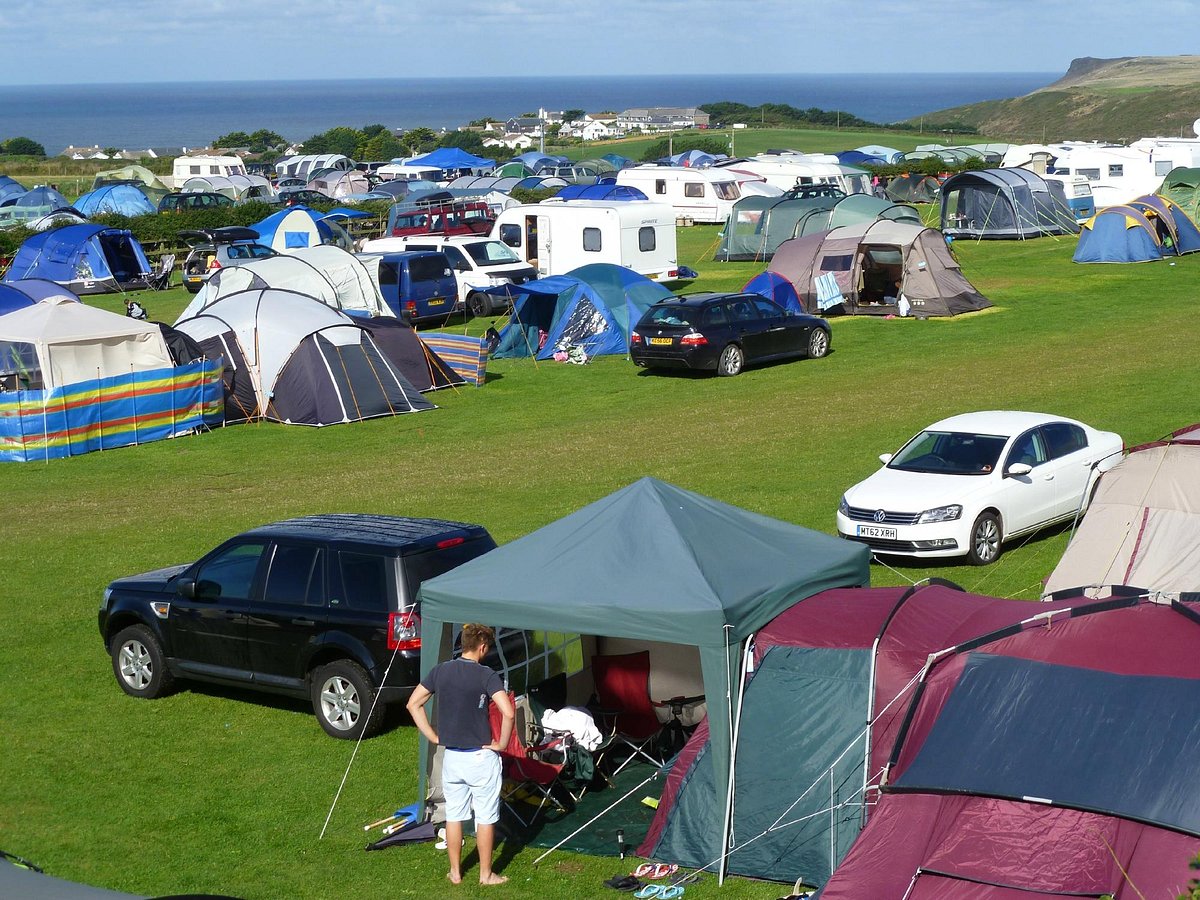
[193,114]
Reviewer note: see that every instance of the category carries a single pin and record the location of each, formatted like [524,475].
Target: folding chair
[530,771]
[623,691]
[160,279]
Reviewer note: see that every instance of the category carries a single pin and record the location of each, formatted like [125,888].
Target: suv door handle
[303,622]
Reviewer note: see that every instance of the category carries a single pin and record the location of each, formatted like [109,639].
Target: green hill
[1098,99]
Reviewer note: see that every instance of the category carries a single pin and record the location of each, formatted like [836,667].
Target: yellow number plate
[662,342]
[437,301]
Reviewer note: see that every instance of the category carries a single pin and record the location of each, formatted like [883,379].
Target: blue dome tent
[1142,230]
[775,287]
[11,299]
[600,191]
[594,307]
[88,259]
[10,190]
[122,199]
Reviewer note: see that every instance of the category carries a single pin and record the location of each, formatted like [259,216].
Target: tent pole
[867,736]
[735,721]
[599,815]
[133,397]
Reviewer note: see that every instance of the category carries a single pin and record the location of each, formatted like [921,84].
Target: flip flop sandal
[660,892]
[643,871]
[624,883]
[661,870]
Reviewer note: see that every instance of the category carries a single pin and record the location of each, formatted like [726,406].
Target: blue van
[418,285]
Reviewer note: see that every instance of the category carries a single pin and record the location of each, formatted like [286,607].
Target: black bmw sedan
[725,332]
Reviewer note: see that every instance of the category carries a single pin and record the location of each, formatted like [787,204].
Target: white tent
[1142,526]
[59,341]
[356,291]
[340,183]
[292,359]
[284,272]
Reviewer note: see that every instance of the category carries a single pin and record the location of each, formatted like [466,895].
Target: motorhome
[186,167]
[402,172]
[1120,174]
[702,195]
[1077,193]
[555,238]
[790,170]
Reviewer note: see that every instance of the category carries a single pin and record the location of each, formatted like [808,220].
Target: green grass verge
[226,792]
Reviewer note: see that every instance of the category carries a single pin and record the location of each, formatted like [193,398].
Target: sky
[216,40]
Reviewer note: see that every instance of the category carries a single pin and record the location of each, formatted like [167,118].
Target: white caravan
[702,195]
[1120,174]
[788,170]
[186,167]
[555,238]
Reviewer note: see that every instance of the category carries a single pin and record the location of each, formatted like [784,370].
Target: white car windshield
[490,253]
[950,453]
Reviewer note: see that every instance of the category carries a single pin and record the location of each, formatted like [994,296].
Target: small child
[134,310]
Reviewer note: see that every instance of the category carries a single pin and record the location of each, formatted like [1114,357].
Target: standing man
[471,759]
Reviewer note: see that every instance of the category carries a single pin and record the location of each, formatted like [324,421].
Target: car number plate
[662,342]
[874,531]
[436,301]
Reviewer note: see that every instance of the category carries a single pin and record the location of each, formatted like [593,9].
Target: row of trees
[371,142]
[21,146]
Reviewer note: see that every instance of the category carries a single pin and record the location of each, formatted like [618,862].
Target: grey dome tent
[292,359]
[866,260]
[914,187]
[650,563]
[1005,204]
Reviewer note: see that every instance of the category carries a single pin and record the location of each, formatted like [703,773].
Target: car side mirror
[447,272]
[186,588]
[1019,469]
[885,458]
[462,267]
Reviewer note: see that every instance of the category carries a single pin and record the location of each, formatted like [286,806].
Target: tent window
[591,240]
[19,369]
[693,189]
[647,239]
[840,263]
[545,653]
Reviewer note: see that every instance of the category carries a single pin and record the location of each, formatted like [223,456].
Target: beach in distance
[191,114]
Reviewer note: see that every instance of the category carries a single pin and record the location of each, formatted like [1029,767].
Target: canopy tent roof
[1142,526]
[452,158]
[650,562]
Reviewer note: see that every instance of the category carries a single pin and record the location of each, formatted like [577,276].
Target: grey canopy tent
[651,562]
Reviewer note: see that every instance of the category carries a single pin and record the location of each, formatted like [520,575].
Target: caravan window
[647,239]
[591,240]
[1163,166]
[727,190]
[510,235]
[1116,170]
[693,189]
[660,186]
[195,170]
[1089,174]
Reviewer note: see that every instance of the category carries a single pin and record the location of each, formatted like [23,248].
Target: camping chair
[160,279]
[531,773]
[623,693]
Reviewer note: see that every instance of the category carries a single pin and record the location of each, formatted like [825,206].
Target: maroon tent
[1053,760]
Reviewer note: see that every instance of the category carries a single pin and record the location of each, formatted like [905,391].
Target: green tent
[650,562]
[1182,185]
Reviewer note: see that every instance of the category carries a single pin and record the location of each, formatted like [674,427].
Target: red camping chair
[623,691]
[531,773]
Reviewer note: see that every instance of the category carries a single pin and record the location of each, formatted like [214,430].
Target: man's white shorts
[471,781]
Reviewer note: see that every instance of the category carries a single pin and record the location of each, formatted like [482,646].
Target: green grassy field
[216,791]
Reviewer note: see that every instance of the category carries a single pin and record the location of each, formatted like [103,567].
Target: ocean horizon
[192,114]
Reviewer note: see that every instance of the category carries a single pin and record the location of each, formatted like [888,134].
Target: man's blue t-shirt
[464,689]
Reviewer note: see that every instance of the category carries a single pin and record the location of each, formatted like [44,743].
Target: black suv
[315,607]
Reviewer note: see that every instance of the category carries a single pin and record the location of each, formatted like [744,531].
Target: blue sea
[135,116]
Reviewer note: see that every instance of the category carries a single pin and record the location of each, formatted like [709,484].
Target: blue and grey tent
[10,190]
[858,158]
[1004,204]
[594,307]
[88,259]
[122,199]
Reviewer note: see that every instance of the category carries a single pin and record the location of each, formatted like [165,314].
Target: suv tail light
[693,340]
[635,339]
[404,630]
[411,307]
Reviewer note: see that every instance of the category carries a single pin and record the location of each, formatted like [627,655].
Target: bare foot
[493,878]
[455,877]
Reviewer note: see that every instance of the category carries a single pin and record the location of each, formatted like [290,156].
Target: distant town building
[524,125]
[591,128]
[662,118]
[511,141]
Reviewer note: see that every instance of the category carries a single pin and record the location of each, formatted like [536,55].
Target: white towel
[576,720]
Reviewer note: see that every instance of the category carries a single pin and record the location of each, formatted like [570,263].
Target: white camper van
[186,167]
[702,195]
[788,170]
[555,238]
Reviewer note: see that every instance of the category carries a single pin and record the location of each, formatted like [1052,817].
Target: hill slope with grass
[1097,99]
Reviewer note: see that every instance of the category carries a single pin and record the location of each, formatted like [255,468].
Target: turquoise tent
[594,307]
[651,562]
[121,198]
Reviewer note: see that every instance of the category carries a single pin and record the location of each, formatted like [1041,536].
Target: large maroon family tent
[805,758]
[1056,760]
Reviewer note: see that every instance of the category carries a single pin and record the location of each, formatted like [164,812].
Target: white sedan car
[966,484]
